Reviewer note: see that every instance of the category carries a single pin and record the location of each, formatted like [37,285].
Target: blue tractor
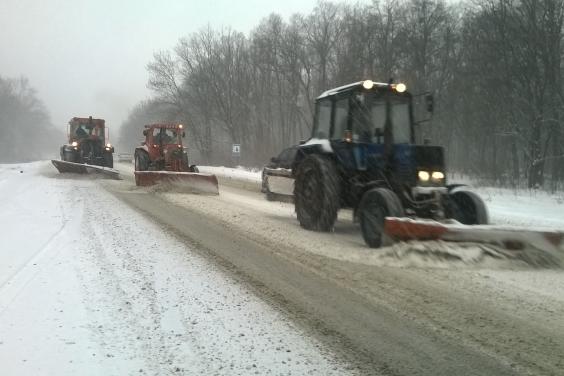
[363,155]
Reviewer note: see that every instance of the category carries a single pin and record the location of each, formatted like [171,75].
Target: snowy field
[90,287]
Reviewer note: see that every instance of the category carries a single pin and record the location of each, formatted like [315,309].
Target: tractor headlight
[423,175]
[437,175]
[400,88]
[108,145]
[74,144]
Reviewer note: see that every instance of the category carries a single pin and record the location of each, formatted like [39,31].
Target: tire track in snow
[20,278]
[132,302]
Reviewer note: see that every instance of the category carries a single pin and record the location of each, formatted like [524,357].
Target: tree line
[494,67]
[27,132]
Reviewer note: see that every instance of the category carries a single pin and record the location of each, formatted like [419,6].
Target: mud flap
[80,168]
[178,181]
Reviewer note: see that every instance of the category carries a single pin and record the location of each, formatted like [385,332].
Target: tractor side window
[401,123]
[341,118]
[323,124]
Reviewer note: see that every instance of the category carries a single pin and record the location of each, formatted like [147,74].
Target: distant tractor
[363,155]
[162,158]
[87,143]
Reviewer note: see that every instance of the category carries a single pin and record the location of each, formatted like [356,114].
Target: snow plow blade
[507,237]
[80,168]
[178,181]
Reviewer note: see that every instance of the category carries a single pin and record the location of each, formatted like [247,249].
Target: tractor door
[357,140]
[153,145]
[341,132]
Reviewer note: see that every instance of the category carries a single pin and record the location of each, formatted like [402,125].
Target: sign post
[236,152]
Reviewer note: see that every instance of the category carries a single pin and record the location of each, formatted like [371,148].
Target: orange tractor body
[163,159]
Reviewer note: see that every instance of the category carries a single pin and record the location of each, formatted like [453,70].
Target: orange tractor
[87,149]
[162,159]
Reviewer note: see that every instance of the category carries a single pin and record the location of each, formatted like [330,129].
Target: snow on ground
[524,207]
[90,287]
[239,173]
[520,208]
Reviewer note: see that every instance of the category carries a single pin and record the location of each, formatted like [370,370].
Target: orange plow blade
[178,181]
[507,237]
[80,168]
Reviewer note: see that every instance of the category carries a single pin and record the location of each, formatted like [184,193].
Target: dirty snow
[239,173]
[89,287]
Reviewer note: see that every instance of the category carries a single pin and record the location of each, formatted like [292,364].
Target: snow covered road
[425,308]
[88,286]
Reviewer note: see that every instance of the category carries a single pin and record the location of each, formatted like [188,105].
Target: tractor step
[178,181]
[81,168]
[507,237]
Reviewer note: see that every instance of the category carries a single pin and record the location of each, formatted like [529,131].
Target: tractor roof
[164,125]
[86,120]
[355,85]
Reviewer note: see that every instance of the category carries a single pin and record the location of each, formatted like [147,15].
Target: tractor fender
[313,146]
[142,148]
[452,187]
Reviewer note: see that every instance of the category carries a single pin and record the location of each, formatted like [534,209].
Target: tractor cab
[369,129]
[87,142]
[163,143]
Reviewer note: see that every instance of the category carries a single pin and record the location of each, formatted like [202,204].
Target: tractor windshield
[81,131]
[369,119]
[166,136]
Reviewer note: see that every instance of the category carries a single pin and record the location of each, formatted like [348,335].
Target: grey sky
[89,57]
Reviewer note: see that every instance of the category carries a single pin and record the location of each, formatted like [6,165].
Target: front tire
[69,156]
[317,193]
[468,208]
[108,160]
[377,204]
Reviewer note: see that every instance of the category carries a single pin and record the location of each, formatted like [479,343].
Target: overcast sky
[89,57]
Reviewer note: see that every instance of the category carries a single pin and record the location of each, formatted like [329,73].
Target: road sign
[236,149]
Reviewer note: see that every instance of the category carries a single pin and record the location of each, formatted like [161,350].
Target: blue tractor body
[363,154]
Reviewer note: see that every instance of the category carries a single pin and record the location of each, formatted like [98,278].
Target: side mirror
[302,142]
[145,133]
[183,134]
[273,159]
[430,102]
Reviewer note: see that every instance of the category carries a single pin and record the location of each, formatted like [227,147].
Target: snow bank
[239,173]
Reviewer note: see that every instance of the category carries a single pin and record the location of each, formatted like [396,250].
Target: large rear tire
[141,161]
[317,193]
[377,204]
[108,160]
[468,208]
